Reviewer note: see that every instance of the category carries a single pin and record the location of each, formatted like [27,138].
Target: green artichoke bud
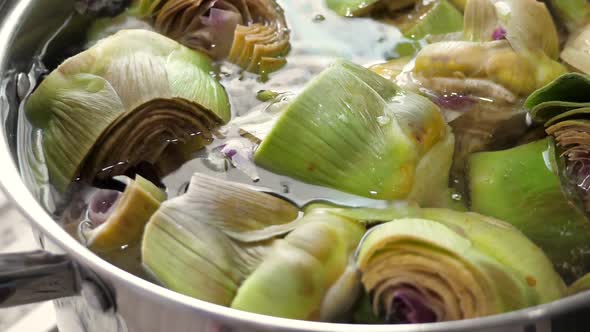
[442,265]
[130,213]
[581,285]
[135,87]
[354,131]
[309,271]
[576,51]
[251,34]
[206,242]
[522,186]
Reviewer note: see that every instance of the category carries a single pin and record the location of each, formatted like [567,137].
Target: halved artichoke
[429,265]
[124,101]
[206,242]
[352,130]
[253,34]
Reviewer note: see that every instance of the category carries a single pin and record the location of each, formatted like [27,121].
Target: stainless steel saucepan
[92,295]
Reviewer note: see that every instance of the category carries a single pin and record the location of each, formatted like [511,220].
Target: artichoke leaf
[124,227]
[581,285]
[366,137]
[575,52]
[149,93]
[206,242]
[572,13]
[310,268]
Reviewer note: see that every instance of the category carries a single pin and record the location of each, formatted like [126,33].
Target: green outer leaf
[350,7]
[567,91]
[67,138]
[330,134]
[521,186]
[440,18]
[581,285]
[301,268]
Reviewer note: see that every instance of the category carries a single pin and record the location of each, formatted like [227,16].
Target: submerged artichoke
[440,265]
[219,243]
[541,187]
[253,34]
[125,101]
[354,131]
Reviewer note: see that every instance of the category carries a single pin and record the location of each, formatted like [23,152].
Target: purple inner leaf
[219,28]
[455,102]
[499,34]
[410,306]
[101,205]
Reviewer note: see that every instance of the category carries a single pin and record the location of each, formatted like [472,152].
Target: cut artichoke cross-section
[252,34]
[431,265]
[354,131]
[122,102]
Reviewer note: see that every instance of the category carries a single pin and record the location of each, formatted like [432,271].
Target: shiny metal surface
[138,305]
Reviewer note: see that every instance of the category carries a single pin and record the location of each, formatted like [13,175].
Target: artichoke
[206,242]
[252,34]
[427,18]
[440,265]
[121,218]
[309,271]
[576,51]
[354,131]
[220,243]
[137,88]
[542,187]
[526,24]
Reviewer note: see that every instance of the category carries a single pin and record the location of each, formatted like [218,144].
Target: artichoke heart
[442,265]
[124,227]
[206,242]
[522,186]
[122,102]
[309,271]
[352,130]
[252,34]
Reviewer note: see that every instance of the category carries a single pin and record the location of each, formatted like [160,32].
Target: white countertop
[15,236]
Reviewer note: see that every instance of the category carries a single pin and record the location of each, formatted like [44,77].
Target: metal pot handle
[36,276]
